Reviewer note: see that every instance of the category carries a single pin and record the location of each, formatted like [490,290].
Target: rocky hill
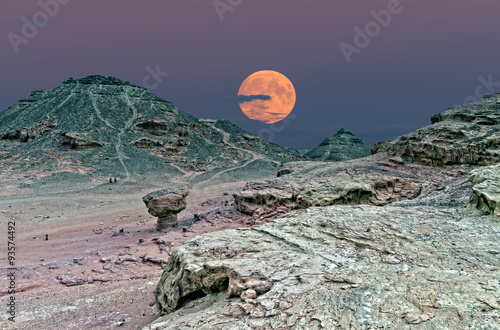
[99,127]
[344,145]
[465,134]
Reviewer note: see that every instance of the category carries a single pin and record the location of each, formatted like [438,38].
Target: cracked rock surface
[408,265]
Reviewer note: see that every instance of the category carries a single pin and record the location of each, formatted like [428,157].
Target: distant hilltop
[344,145]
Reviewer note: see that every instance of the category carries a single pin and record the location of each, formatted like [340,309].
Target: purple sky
[428,58]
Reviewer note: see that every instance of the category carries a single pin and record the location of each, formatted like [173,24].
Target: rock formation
[77,141]
[25,134]
[165,204]
[374,180]
[465,134]
[342,146]
[340,267]
[486,188]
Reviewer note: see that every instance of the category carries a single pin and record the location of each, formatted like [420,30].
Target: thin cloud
[247,98]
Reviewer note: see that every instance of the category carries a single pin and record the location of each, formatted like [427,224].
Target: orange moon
[267,96]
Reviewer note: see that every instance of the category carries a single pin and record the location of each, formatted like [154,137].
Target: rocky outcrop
[342,146]
[25,134]
[374,180]
[339,267]
[465,134]
[146,143]
[155,127]
[165,204]
[486,188]
[78,141]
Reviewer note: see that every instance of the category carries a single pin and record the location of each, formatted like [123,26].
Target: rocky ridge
[465,134]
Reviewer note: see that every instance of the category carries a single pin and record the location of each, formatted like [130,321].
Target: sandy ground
[88,274]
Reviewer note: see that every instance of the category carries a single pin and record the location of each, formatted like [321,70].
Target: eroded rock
[156,127]
[78,141]
[25,134]
[486,187]
[373,180]
[165,204]
[146,143]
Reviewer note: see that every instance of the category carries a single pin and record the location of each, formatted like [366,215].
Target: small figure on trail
[110,180]
[115,180]
[46,237]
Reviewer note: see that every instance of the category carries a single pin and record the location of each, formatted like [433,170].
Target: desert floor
[88,274]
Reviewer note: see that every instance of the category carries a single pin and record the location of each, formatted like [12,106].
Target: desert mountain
[344,145]
[100,127]
[464,134]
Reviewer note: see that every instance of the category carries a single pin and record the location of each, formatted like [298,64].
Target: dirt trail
[254,155]
[128,124]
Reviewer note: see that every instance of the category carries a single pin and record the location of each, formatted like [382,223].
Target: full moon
[267,96]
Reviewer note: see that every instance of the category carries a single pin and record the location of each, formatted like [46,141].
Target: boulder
[486,188]
[166,204]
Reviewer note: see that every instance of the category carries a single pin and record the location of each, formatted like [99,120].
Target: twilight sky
[427,56]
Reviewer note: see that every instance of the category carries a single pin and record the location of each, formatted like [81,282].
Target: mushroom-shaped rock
[165,204]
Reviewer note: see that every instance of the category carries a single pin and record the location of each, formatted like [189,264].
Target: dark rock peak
[344,145]
[98,79]
[341,135]
[343,131]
